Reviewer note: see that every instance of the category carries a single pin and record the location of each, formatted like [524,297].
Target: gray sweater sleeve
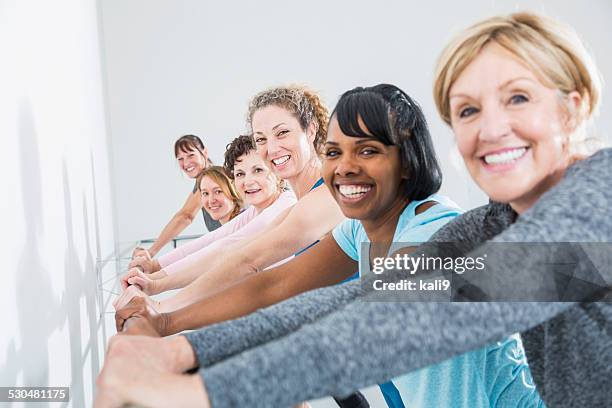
[369,342]
[220,341]
[365,343]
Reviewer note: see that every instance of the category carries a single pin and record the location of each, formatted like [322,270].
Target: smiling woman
[518,94]
[512,130]
[219,197]
[192,158]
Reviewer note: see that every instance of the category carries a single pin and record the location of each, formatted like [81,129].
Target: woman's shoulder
[431,208]
[585,187]
[472,225]
[288,196]
[594,167]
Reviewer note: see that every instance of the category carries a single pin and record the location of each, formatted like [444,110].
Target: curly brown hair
[304,103]
[240,146]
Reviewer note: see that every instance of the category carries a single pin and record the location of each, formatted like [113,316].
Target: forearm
[158,275]
[185,250]
[236,301]
[323,265]
[188,269]
[222,273]
[231,229]
[220,341]
[183,353]
[363,344]
[177,224]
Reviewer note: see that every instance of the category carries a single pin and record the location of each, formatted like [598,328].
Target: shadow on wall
[39,312]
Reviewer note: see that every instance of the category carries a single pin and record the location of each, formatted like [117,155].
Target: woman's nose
[494,124]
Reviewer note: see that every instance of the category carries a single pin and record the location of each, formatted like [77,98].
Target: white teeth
[280,160]
[190,168]
[505,157]
[354,191]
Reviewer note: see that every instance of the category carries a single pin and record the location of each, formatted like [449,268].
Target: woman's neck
[226,218]
[381,230]
[262,206]
[526,201]
[303,181]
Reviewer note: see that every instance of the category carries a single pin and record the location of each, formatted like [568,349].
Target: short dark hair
[393,118]
[240,146]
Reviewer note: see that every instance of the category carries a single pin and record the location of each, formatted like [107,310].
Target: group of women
[518,92]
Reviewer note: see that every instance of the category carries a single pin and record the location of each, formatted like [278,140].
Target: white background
[177,67]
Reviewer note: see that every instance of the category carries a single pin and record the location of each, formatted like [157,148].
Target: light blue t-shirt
[496,375]
[411,227]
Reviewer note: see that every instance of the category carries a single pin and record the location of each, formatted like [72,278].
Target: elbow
[252,264]
[186,218]
[251,269]
[243,265]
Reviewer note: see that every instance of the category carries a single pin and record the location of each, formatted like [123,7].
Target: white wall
[190,66]
[56,212]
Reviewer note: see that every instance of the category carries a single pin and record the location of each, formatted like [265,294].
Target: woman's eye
[258,170]
[517,99]
[464,113]
[282,132]
[260,140]
[331,153]
[238,175]
[368,152]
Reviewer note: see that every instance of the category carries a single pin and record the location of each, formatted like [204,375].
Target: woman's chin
[502,195]
[256,199]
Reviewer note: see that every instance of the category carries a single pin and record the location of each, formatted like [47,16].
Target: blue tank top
[314,186]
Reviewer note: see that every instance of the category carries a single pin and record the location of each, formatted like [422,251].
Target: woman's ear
[205,153]
[573,111]
[311,131]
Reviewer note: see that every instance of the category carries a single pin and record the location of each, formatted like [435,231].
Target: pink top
[245,225]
